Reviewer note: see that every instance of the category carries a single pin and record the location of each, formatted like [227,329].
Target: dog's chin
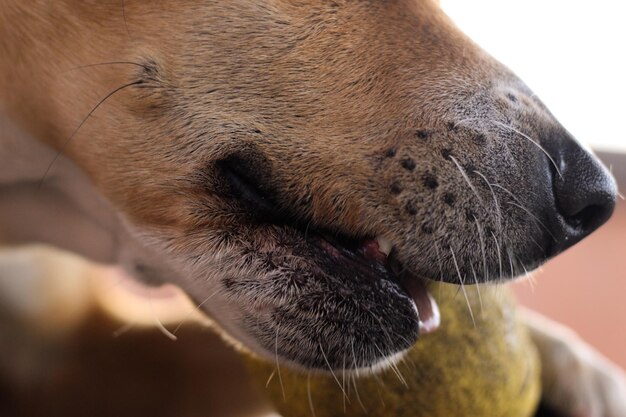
[323,302]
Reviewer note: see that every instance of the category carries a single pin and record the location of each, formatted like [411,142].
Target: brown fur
[170,102]
[290,93]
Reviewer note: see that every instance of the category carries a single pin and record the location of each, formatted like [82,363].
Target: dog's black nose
[584,192]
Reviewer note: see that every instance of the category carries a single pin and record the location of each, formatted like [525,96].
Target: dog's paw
[580,382]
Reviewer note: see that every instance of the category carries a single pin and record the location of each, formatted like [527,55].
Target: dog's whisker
[391,363]
[374,374]
[495,199]
[469,182]
[330,368]
[69,139]
[123,329]
[477,286]
[535,218]
[270,378]
[308,390]
[508,251]
[498,252]
[158,322]
[462,282]
[393,367]
[108,63]
[348,373]
[534,241]
[509,156]
[398,373]
[356,391]
[530,277]
[466,120]
[531,281]
[483,249]
[354,363]
[343,383]
[409,363]
[510,193]
[440,263]
[534,142]
[192,311]
[526,271]
[280,377]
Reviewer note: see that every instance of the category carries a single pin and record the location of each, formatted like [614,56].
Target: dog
[297,168]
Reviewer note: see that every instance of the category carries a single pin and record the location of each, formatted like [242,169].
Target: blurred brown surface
[138,373]
[585,288]
[64,353]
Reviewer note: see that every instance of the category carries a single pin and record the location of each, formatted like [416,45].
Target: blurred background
[571,53]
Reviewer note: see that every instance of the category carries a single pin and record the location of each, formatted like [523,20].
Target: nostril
[585,196]
[589,218]
[584,203]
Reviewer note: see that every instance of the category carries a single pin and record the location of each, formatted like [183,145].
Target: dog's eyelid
[245,187]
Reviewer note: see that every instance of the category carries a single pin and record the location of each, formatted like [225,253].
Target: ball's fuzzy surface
[489,368]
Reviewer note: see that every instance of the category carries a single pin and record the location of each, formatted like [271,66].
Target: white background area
[571,53]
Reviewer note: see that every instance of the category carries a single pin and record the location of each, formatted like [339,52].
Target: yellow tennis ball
[481,367]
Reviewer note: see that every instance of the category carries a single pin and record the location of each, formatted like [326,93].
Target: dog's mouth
[375,257]
[322,288]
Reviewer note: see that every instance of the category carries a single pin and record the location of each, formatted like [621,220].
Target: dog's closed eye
[247,184]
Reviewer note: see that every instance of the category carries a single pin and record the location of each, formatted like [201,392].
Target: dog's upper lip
[376,253]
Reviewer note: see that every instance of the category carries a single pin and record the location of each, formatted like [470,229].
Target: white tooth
[384,245]
[434,322]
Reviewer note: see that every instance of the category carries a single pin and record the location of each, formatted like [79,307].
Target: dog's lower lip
[377,251]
